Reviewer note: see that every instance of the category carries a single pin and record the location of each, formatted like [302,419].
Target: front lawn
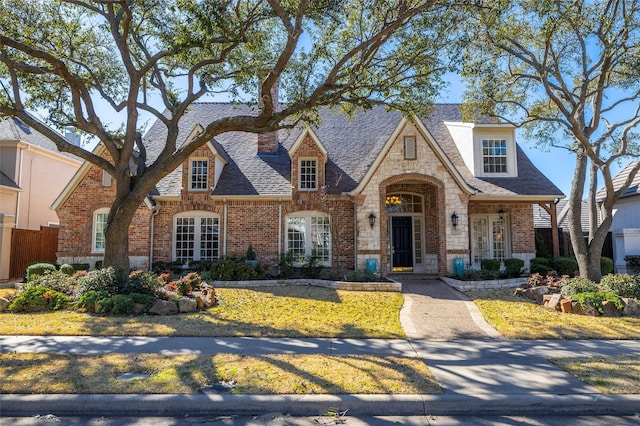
[237,374]
[519,318]
[612,375]
[279,311]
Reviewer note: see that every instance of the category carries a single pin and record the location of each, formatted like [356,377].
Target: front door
[402,243]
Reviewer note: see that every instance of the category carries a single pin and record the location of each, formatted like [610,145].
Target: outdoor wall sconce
[372,219]
[501,214]
[454,220]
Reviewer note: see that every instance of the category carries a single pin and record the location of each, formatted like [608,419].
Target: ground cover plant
[278,311]
[611,375]
[518,318]
[186,374]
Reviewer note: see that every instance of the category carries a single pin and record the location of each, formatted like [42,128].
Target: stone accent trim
[391,286]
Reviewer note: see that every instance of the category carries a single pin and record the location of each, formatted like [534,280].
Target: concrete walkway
[480,372]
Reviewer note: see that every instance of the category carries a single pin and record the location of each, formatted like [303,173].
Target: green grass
[518,318]
[291,311]
[185,374]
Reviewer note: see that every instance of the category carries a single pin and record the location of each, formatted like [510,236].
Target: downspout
[224,228]
[156,210]
[30,188]
[20,185]
[355,237]
[279,228]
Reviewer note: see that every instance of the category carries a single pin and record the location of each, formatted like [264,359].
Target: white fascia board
[76,179]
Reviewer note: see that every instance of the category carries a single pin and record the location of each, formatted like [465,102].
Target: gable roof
[353,145]
[541,218]
[7,182]
[618,180]
[13,129]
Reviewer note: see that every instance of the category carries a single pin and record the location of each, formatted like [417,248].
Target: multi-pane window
[99,227]
[494,155]
[308,171]
[489,238]
[309,235]
[198,176]
[196,237]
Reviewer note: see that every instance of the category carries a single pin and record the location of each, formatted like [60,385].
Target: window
[99,226]
[196,236]
[308,171]
[199,174]
[410,148]
[489,238]
[309,234]
[106,178]
[494,155]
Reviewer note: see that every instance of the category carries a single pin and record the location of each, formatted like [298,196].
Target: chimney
[268,142]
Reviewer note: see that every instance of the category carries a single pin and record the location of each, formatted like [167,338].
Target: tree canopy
[568,72]
[78,61]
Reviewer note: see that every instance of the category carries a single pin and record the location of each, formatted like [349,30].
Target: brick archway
[432,192]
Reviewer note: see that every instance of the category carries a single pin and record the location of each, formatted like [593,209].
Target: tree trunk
[575,213]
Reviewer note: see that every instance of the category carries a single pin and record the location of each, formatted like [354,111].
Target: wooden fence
[29,245]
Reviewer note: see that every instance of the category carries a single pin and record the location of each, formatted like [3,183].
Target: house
[377,190]
[625,228]
[32,174]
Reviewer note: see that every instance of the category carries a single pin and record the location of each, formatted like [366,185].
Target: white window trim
[317,180]
[194,214]
[94,249]
[190,177]
[512,164]
[410,148]
[106,178]
[506,236]
[307,215]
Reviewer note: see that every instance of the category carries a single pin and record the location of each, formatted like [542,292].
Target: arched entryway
[411,226]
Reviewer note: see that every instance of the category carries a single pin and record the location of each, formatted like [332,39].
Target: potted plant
[252,259]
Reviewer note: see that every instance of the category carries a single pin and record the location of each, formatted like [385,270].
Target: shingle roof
[13,129]
[618,180]
[353,146]
[7,181]
[541,218]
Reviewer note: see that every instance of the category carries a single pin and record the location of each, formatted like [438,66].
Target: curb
[65,405]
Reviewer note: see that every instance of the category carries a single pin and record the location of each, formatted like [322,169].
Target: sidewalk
[485,375]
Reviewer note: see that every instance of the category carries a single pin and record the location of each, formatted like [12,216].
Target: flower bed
[390,285]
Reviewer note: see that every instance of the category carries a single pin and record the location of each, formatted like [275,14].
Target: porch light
[372,219]
[454,219]
[501,214]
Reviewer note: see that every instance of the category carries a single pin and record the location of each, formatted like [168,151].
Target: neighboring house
[377,190]
[543,226]
[625,228]
[32,174]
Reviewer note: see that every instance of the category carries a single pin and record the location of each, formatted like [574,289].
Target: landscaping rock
[631,307]
[4,303]
[187,304]
[576,308]
[208,295]
[552,302]
[537,293]
[566,306]
[199,302]
[610,309]
[138,308]
[590,309]
[164,307]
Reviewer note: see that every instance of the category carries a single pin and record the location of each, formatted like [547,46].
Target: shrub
[81,266]
[245,271]
[623,285]
[67,269]
[188,283]
[251,254]
[141,282]
[105,279]
[145,300]
[118,304]
[540,261]
[224,270]
[36,298]
[565,265]
[37,269]
[596,299]
[606,265]
[88,300]
[539,268]
[477,275]
[513,267]
[634,262]
[490,264]
[58,281]
[573,286]
[98,264]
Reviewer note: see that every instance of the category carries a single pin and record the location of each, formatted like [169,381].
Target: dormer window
[308,174]
[199,174]
[494,155]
